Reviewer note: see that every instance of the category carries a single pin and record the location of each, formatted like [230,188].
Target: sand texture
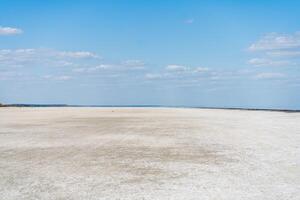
[148,153]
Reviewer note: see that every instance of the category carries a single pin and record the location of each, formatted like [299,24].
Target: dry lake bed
[148,153]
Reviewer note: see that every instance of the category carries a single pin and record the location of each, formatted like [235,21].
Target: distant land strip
[149,106]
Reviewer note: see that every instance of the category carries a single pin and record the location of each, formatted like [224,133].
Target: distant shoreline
[148,106]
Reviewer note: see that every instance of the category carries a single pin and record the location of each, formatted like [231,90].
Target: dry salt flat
[148,153]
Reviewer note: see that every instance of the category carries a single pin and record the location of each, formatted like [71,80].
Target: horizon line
[149,106]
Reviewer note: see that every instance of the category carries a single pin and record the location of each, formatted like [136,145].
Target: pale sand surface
[148,153]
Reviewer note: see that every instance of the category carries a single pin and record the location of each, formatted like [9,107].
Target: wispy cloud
[260,62]
[290,54]
[273,47]
[193,75]
[201,69]
[185,69]
[10,31]
[176,68]
[269,75]
[96,68]
[57,78]
[42,57]
[276,41]
[153,76]
[77,54]
[127,65]
[133,63]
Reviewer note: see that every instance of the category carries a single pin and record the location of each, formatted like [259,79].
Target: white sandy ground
[148,153]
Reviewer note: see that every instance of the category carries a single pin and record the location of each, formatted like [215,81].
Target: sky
[132,52]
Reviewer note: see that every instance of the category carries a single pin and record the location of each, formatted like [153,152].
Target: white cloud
[10,31]
[274,46]
[64,63]
[275,41]
[77,54]
[57,78]
[154,76]
[104,66]
[193,75]
[192,79]
[284,53]
[201,69]
[42,57]
[133,63]
[99,67]
[107,67]
[269,75]
[128,65]
[184,69]
[176,68]
[260,62]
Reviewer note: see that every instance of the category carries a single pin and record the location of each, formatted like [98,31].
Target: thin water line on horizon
[152,106]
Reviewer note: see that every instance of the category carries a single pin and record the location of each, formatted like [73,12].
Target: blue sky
[117,52]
